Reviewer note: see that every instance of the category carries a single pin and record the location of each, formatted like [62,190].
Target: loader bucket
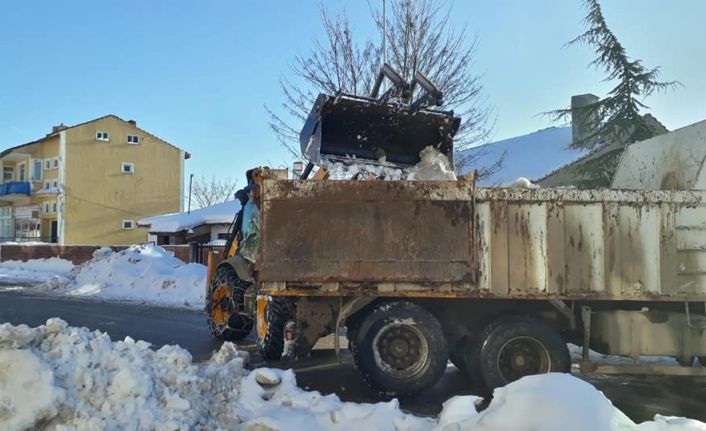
[345,126]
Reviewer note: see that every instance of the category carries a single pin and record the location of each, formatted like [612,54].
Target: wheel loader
[419,273]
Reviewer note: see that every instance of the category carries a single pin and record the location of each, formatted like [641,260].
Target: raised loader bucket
[345,126]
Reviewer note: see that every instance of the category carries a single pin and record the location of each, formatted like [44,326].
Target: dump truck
[496,280]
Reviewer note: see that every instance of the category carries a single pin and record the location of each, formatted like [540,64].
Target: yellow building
[89,184]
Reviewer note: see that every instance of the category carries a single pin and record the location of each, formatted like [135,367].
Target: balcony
[14,191]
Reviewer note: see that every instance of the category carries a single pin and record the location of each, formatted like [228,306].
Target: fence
[77,254]
[198,253]
[34,239]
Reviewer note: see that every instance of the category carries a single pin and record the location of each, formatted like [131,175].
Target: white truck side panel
[604,246]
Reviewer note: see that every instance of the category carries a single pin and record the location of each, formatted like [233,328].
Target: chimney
[58,128]
[133,122]
[298,168]
[582,123]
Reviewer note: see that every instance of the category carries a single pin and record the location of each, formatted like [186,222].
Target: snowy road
[639,397]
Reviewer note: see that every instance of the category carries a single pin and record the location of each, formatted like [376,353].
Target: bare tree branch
[420,37]
[206,192]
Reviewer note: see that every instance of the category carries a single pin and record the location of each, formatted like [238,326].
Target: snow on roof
[532,156]
[171,223]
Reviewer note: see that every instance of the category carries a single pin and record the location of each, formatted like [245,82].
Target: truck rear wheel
[226,318]
[518,346]
[279,311]
[400,348]
[471,360]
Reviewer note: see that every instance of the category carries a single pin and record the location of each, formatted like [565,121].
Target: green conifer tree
[615,118]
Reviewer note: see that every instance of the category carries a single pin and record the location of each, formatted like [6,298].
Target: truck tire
[400,348]
[471,361]
[279,311]
[517,346]
[456,354]
[226,318]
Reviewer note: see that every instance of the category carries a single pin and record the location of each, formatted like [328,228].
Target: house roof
[530,156]
[51,135]
[222,213]
[571,166]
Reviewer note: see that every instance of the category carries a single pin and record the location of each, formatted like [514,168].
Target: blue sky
[198,74]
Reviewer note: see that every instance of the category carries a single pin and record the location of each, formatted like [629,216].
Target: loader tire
[400,348]
[279,311]
[518,346]
[226,317]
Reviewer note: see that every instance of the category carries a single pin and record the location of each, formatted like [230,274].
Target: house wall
[217,229]
[671,161]
[99,196]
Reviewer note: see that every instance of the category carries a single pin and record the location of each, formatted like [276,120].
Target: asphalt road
[639,397]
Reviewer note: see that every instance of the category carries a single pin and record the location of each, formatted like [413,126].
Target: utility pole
[384,31]
[191,180]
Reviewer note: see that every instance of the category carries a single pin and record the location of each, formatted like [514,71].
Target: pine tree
[615,118]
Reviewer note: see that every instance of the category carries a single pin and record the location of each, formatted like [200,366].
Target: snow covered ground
[143,273]
[57,377]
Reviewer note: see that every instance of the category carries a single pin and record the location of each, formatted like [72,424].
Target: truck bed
[449,239]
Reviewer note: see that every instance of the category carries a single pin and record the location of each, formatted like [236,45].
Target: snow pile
[356,169]
[144,273]
[58,377]
[35,270]
[522,183]
[434,166]
[222,213]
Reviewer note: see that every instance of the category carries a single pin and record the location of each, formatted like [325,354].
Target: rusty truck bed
[449,239]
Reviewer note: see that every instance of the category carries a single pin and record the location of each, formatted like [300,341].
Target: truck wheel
[456,351]
[279,311]
[471,360]
[226,319]
[517,346]
[400,348]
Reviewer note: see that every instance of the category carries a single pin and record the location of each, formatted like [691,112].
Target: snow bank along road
[141,273]
[58,377]
[639,397]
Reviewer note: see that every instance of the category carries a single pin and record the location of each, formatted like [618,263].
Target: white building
[208,225]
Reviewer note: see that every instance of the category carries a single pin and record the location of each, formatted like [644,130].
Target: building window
[53,207]
[223,235]
[128,224]
[133,139]
[102,136]
[21,171]
[8,173]
[47,184]
[55,184]
[45,208]
[54,162]
[47,164]
[37,170]
[128,168]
